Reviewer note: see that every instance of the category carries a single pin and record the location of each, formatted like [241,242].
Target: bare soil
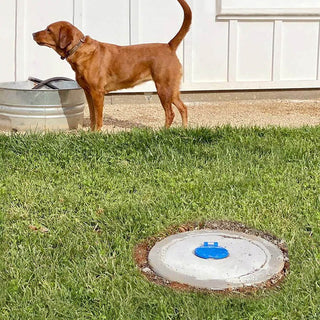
[284,113]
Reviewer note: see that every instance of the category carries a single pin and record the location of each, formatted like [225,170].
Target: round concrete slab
[252,260]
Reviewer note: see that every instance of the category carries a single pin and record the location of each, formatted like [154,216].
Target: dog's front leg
[98,101]
[91,110]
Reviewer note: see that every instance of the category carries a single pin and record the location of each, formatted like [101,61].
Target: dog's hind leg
[182,109]
[165,95]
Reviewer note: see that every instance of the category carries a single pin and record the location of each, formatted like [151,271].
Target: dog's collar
[75,48]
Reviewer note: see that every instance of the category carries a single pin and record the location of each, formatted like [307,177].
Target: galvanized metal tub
[22,108]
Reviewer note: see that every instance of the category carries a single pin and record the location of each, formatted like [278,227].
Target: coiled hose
[42,83]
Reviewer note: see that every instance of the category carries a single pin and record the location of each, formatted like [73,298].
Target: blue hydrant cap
[211,250]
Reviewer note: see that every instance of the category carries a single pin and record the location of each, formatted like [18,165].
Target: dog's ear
[65,37]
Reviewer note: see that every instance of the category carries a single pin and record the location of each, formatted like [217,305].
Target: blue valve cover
[211,251]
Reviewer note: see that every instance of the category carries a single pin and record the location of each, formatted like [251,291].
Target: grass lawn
[99,195]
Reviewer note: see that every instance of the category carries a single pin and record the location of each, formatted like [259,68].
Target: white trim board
[232,85]
[268,9]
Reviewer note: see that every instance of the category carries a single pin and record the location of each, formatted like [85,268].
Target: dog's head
[60,36]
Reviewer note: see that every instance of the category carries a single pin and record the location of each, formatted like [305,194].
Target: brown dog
[102,67]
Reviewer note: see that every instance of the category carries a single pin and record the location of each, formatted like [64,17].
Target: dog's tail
[174,43]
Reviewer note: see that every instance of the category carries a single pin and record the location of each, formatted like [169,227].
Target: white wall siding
[7,40]
[300,50]
[255,44]
[35,60]
[210,42]
[108,21]
[233,44]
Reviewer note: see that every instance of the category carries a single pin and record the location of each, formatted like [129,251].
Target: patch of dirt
[142,250]
[285,113]
[262,113]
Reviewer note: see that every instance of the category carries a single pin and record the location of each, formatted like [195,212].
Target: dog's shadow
[124,124]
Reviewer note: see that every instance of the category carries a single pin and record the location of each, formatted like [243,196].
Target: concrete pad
[252,260]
